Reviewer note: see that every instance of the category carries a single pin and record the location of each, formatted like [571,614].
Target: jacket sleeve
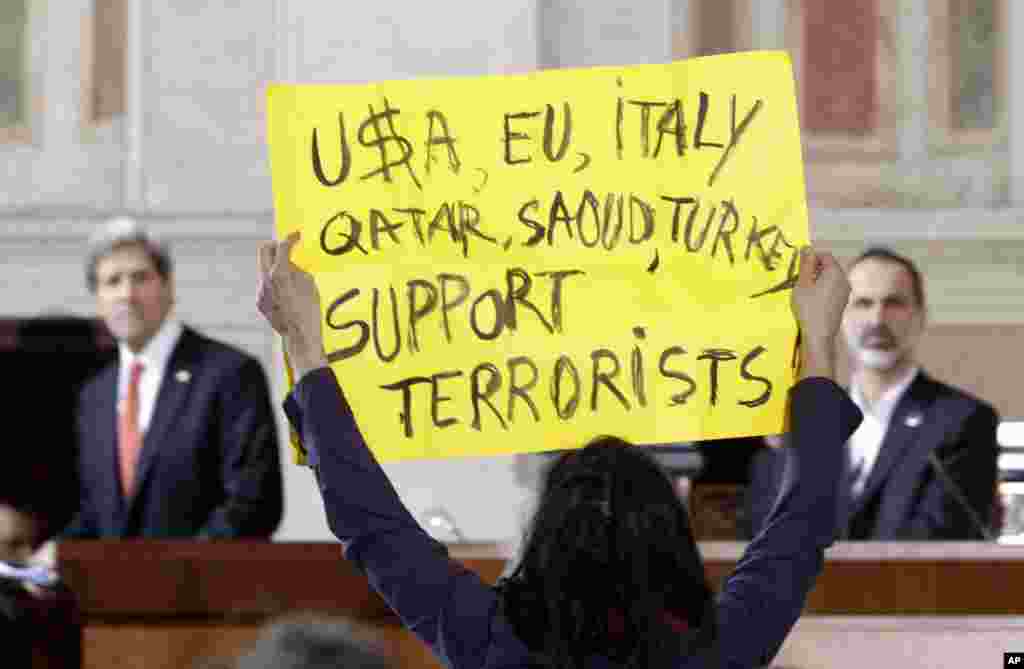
[443,603]
[250,461]
[763,597]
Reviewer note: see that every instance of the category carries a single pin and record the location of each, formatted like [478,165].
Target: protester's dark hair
[888,255]
[38,477]
[610,540]
[305,641]
[38,488]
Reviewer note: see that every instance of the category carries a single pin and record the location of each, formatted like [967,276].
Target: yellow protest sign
[518,263]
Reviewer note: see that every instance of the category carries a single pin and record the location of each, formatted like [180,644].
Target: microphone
[959,496]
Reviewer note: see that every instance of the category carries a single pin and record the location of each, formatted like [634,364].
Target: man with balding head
[924,461]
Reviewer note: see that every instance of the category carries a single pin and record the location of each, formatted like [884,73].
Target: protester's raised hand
[289,300]
[818,301]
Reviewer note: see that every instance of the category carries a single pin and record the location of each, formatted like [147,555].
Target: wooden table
[166,604]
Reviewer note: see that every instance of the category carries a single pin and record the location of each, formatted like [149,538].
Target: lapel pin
[182,376]
[913,420]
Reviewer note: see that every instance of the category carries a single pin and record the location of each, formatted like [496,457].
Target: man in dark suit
[923,464]
[176,438]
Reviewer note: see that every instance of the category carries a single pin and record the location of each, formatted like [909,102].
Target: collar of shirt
[886,404]
[866,441]
[155,356]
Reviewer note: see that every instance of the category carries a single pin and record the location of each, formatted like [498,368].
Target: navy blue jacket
[457,614]
[209,466]
[905,497]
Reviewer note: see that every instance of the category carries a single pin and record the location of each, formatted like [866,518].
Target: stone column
[579,33]
[767,24]
[133,195]
[912,45]
[1013,10]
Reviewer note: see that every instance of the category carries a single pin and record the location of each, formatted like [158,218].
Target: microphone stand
[959,496]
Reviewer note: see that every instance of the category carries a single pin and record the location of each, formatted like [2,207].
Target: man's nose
[875,314]
[126,289]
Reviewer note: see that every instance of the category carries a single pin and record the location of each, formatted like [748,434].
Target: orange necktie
[129,437]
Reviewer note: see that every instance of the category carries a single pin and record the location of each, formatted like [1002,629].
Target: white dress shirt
[866,441]
[155,356]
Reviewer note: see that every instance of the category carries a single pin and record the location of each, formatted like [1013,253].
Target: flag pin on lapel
[913,420]
[182,376]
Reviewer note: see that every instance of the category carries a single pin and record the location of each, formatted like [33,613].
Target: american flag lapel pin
[913,420]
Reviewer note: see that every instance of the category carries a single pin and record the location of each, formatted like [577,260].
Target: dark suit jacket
[905,498]
[209,465]
[459,617]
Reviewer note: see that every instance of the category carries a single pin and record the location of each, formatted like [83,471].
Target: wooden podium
[171,604]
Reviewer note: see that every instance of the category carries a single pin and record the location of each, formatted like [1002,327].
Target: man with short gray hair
[311,642]
[176,438]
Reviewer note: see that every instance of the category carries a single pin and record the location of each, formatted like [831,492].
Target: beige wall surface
[187,155]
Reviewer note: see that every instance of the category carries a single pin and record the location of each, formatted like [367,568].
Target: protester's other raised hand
[818,301]
[289,300]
